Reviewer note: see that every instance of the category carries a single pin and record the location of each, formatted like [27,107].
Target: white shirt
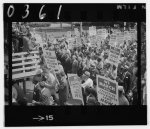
[88,82]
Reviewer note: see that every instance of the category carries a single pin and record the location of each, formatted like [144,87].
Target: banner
[107,91]
[51,60]
[75,86]
[92,30]
[114,55]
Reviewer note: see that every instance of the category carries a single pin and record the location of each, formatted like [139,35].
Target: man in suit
[126,80]
[45,97]
[74,65]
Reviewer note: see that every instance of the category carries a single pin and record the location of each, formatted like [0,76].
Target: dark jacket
[127,81]
[75,66]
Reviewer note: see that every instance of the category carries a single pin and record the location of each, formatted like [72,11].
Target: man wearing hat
[113,73]
[50,82]
[63,88]
[80,66]
[60,67]
[88,83]
[87,80]
[36,79]
[126,79]
[15,40]
[93,72]
[74,64]
[68,64]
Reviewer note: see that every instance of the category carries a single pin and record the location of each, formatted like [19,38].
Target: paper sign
[99,39]
[76,31]
[51,38]
[114,55]
[93,41]
[120,39]
[51,60]
[102,33]
[69,34]
[92,30]
[71,43]
[107,91]
[115,31]
[113,39]
[133,33]
[127,35]
[78,41]
[75,86]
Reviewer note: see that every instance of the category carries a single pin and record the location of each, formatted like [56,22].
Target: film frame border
[85,15]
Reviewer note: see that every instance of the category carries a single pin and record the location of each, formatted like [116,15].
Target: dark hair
[40,48]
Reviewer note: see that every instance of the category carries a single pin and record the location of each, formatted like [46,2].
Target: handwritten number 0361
[11,11]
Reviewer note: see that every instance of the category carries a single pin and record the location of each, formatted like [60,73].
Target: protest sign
[133,34]
[107,91]
[114,55]
[113,39]
[120,39]
[78,41]
[38,38]
[51,38]
[71,43]
[92,30]
[75,86]
[127,36]
[99,39]
[115,31]
[69,34]
[93,41]
[102,33]
[51,60]
[76,31]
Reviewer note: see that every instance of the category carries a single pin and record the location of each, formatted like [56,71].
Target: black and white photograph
[91,61]
[77,63]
